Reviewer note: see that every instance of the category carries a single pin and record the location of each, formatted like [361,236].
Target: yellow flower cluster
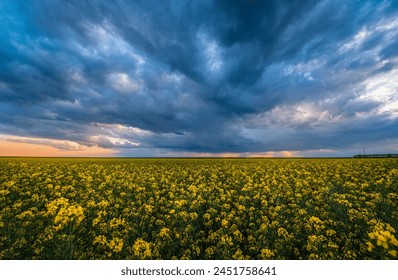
[383,235]
[198,208]
[142,249]
[65,213]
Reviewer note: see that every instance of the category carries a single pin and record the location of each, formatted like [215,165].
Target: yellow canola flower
[393,253]
[370,246]
[142,249]
[226,240]
[238,255]
[224,223]
[116,245]
[383,236]
[100,239]
[238,235]
[65,213]
[164,232]
[283,232]
[54,205]
[266,254]
[115,222]
[193,215]
[210,251]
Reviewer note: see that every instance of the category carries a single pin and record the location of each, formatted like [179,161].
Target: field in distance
[91,208]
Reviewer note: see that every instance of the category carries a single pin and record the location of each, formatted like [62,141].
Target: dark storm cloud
[199,76]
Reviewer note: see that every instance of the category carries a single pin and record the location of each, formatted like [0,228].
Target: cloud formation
[201,77]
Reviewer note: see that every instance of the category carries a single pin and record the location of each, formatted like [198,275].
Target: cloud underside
[200,77]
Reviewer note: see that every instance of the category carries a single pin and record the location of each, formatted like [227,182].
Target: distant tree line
[377,156]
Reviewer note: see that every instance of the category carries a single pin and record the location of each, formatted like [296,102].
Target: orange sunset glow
[8,149]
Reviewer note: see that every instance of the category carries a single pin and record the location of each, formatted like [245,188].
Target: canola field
[54,208]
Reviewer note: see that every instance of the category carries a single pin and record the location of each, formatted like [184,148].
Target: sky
[198,78]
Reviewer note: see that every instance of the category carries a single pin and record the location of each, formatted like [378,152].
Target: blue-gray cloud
[200,76]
